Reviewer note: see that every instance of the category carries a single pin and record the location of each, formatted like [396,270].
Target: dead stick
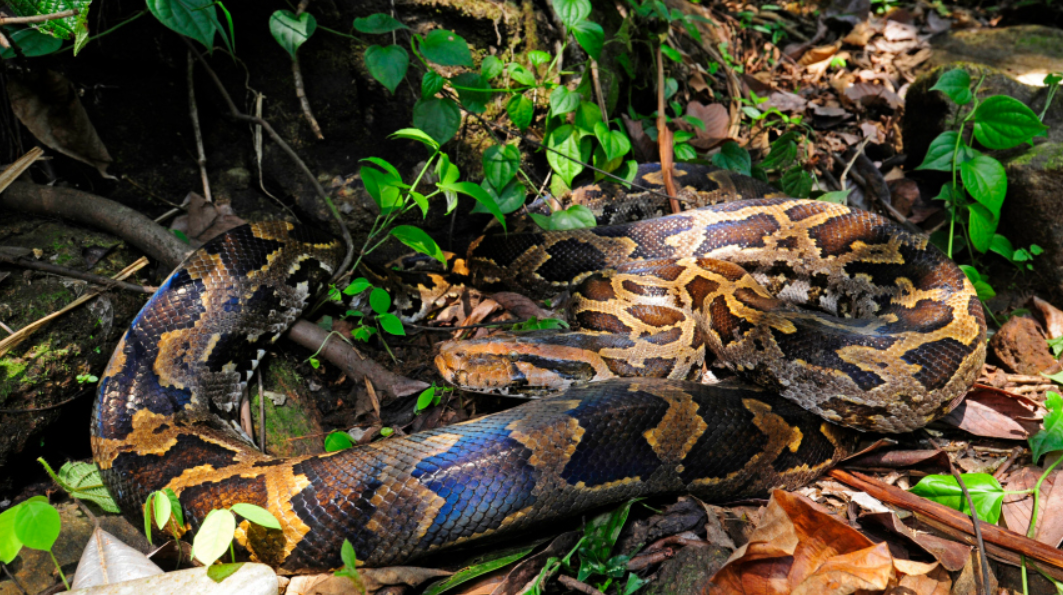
[664,136]
[193,112]
[39,18]
[579,586]
[107,282]
[1003,538]
[995,552]
[300,90]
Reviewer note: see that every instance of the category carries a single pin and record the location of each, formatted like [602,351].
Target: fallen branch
[106,282]
[1001,544]
[300,90]
[193,112]
[38,18]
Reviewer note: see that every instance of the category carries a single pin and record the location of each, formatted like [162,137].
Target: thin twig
[977,531]
[261,416]
[598,89]
[6,328]
[193,111]
[80,394]
[107,282]
[300,91]
[576,585]
[11,576]
[664,136]
[447,329]
[236,114]
[38,18]
[856,155]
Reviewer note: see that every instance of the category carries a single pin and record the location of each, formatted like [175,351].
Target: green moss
[1046,156]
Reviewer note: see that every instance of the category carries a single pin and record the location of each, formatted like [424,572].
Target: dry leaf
[1018,508]
[717,122]
[950,554]
[868,95]
[868,569]
[860,35]
[819,54]
[996,414]
[107,560]
[784,101]
[205,220]
[48,105]
[1050,315]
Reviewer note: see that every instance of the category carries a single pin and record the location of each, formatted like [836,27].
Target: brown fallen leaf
[950,554]
[205,220]
[1017,509]
[784,101]
[861,34]
[1051,316]
[819,54]
[374,579]
[868,95]
[927,460]
[717,122]
[996,414]
[522,306]
[934,582]
[48,105]
[868,569]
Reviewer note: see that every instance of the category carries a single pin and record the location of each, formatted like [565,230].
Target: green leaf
[413,134]
[446,48]
[587,116]
[684,152]
[481,196]
[338,441]
[214,536]
[981,285]
[671,54]
[9,542]
[426,398]
[82,481]
[733,157]
[501,163]
[1002,122]
[491,67]
[37,525]
[563,101]
[257,515]
[192,18]
[783,152]
[1002,246]
[985,491]
[602,532]
[473,100]
[350,560]
[383,188]
[509,199]
[956,84]
[431,83]
[378,23]
[161,508]
[796,182]
[391,324]
[574,217]
[591,38]
[439,117]
[986,181]
[386,431]
[493,562]
[64,28]
[1050,437]
[220,572]
[357,286]
[983,226]
[939,153]
[416,238]
[387,64]
[521,111]
[840,197]
[564,140]
[379,300]
[32,43]
[521,74]
[538,57]
[292,31]
[175,506]
[572,12]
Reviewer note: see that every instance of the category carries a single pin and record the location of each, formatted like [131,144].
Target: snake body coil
[915,324]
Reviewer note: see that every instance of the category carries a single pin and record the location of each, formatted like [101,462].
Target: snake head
[510,365]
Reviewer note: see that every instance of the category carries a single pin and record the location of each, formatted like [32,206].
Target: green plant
[431,397]
[987,493]
[979,183]
[82,481]
[217,531]
[87,379]
[350,566]
[337,440]
[33,523]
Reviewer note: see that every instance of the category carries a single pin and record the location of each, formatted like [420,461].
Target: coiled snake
[904,339]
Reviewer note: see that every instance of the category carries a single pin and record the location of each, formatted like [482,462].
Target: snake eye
[513,356]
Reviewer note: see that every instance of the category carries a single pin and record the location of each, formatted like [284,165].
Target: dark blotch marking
[815,448]
[925,317]
[700,288]
[818,344]
[728,326]
[568,369]
[939,361]
[664,338]
[747,233]
[653,367]
[646,290]
[756,301]
[657,316]
[786,243]
[601,321]
[613,432]
[570,257]
[597,288]
[727,270]
[804,211]
[241,251]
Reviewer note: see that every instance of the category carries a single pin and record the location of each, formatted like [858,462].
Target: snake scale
[898,337]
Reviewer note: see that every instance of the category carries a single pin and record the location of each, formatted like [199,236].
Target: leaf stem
[59,570]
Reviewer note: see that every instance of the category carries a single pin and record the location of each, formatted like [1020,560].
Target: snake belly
[192,348]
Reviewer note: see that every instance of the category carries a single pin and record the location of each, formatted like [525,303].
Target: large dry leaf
[373,578]
[48,105]
[107,560]
[205,220]
[868,569]
[717,122]
[996,414]
[794,539]
[950,554]
[1017,509]
[1052,317]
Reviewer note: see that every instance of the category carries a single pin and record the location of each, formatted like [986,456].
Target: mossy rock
[689,571]
[294,427]
[1031,213]
[1024,52]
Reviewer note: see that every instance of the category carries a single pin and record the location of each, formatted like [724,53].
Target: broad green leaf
[939,153]
[162,509]
[574,217]
[783,152]
[292,31]
[446,48]
[602,532]
[357,286]
[983,226]
[175,506]
[587,115]
[64,28]
[9,542]
[591,38]
[82,481]
[391,324]
[986,181]
[671,54]
[563,101]
[985,491]
[382,188]
[1050,437]
[32,43]
[521,74]
[796,182]
[481,196]
[338,441]
[387,64]
[538,57]
[447,173]
[572,11]
[956,84]
[416,238]
[493,562]
[431,83]
[684,152]
[521,111]
[256,514]
[220,572]
[1002,246]
[417,135]
[509,199]
[838,196]
[981,285]
[491,67]
[192,18]
[473,91]
[347,554]
[379,300]
[733,157]
[564,140]
[378,23]
[501,163]
[439,117]
[426,398]
[37,525]
[1002,122]
[214,536]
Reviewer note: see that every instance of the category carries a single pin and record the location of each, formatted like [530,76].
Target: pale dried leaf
[868,569]
[107,560]
[204,220]
[1052,317]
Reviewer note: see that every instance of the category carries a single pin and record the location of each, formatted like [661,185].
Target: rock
[1020,347]
[34,568]
[297,417]
[1031,213]
[929,113]
[689,571]
[1024,52]
[250,579]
